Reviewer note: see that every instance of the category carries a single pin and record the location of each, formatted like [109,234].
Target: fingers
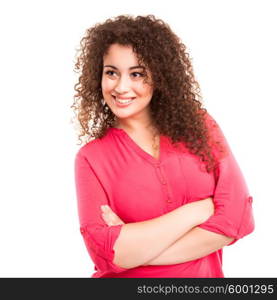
[105,208]
[106,214]
[110,218]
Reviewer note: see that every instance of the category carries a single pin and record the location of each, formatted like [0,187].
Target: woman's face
[123,86]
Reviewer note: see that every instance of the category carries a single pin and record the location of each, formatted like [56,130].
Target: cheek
[144,90]
[148,92]
[106,85]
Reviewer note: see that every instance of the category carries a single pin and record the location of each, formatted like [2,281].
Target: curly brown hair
[176,106]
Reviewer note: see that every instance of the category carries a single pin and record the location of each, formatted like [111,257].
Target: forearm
[195,244]
[142,241]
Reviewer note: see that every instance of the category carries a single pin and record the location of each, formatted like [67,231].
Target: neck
[135,126]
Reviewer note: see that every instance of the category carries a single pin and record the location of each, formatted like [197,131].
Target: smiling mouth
[123,101]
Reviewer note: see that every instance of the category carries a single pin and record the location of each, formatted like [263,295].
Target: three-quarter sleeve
[99,238]
[233,214]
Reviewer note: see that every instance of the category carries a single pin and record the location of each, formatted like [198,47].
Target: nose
[122,85]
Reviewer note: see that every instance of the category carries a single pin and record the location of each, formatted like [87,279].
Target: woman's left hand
[110,218]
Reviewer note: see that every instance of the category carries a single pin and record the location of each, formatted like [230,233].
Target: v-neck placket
[156,163]
[152,160]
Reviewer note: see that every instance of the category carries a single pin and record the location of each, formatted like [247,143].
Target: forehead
[120,55]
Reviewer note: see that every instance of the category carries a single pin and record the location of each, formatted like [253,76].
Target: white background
[233,49]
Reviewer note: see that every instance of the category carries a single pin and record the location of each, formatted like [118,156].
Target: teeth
[124,101]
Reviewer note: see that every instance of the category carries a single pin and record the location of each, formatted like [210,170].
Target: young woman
[159,191]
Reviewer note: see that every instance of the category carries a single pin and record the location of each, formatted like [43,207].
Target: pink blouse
[114,170]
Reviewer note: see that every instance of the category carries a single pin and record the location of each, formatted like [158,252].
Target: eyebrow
[131,68]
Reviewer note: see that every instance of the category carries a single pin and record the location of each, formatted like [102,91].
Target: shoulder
[212,125]
[94,148]
[88,148]
[216,137]
[97,147]
[94,153]
[209,120]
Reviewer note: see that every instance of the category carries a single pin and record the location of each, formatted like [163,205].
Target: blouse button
[168,201]
[82,230]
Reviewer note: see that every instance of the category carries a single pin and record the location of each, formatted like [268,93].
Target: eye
[110,73]
[137,74]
